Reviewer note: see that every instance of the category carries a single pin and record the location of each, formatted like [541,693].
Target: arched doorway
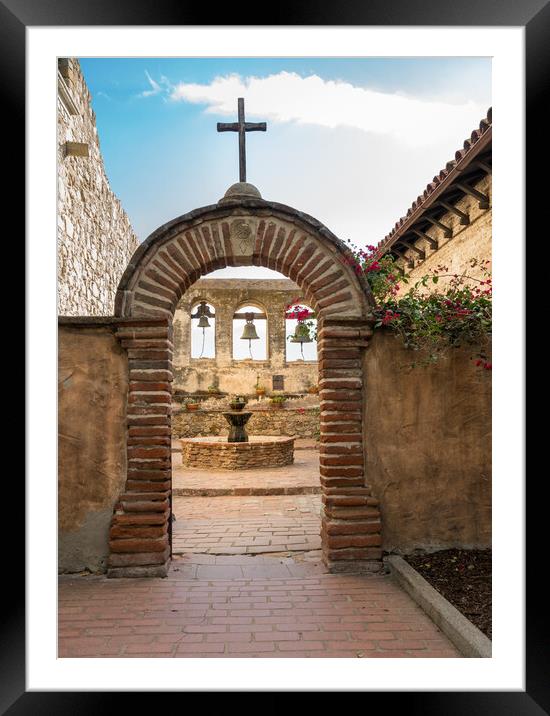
[243,229]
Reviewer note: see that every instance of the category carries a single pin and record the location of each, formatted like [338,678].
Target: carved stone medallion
[242,233]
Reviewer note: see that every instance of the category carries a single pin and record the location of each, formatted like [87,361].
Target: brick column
[351,527]
[140,533]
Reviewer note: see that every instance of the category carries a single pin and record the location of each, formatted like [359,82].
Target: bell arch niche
[300,333]
[243,230]
[203,330]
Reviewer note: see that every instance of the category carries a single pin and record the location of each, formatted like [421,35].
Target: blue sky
[350,141]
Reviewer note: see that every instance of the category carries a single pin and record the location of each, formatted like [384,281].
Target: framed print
[159,349]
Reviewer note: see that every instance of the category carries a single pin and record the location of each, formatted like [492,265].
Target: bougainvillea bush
[438,312]
[303,315]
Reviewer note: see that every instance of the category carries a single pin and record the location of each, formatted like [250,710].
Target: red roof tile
[484,126]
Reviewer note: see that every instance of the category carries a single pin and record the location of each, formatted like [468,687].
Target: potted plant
[213,389]
[260,389]
[191,404]
[277,401]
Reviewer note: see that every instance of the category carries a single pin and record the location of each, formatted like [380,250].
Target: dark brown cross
[241,127]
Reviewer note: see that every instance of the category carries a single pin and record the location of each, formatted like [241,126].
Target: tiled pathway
[255,523]
[302,477]
[208,610]
[246,581]
[246,525]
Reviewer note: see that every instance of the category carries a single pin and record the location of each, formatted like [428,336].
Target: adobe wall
[92,390]
[427,434]
[95,240]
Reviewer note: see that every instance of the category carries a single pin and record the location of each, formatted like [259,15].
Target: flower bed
[463,577]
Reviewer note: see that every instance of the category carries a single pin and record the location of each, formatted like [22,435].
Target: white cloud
[156,87]
[288,97]
[358,180]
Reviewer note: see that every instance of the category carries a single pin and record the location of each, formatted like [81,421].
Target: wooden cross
[241,127]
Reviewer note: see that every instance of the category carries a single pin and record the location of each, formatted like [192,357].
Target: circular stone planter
[215,453]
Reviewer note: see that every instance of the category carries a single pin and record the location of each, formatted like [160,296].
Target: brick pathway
[248,582]
[246,525]
[247,521]
[302,477]
[230,610]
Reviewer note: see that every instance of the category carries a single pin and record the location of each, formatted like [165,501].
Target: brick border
[160,271]
[351,524]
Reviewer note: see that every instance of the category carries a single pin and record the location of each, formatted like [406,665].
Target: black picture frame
[534,16]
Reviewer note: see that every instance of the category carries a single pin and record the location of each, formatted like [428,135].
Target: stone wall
[428,447]
[93,384]
[301,422]
[467,242]
[238,376]
[95,238]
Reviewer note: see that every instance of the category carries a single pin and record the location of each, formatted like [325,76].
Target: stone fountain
[237,420]
[238,451]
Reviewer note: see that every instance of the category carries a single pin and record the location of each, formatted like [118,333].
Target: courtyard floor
[246,581]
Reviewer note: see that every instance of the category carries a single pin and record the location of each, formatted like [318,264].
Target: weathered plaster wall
[236,376]
[467,242]
[92,389]
[95,239]
[428,447]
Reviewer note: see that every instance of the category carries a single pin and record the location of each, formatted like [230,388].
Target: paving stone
[246,580]
[302,477]
[245,606]
[235,526]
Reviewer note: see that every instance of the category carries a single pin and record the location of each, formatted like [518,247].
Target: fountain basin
[215,453]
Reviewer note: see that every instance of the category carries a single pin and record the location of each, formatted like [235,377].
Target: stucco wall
[428,446]
[239,376]
[94,237]
[92,389]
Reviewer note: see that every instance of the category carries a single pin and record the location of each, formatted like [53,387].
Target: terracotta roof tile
[484,125]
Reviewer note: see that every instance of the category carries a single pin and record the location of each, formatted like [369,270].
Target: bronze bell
[249,331]
[203,322]
[301,334]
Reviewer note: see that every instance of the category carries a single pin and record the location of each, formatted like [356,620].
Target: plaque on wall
[278,382]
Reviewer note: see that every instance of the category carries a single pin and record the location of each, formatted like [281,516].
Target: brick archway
[240,232]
